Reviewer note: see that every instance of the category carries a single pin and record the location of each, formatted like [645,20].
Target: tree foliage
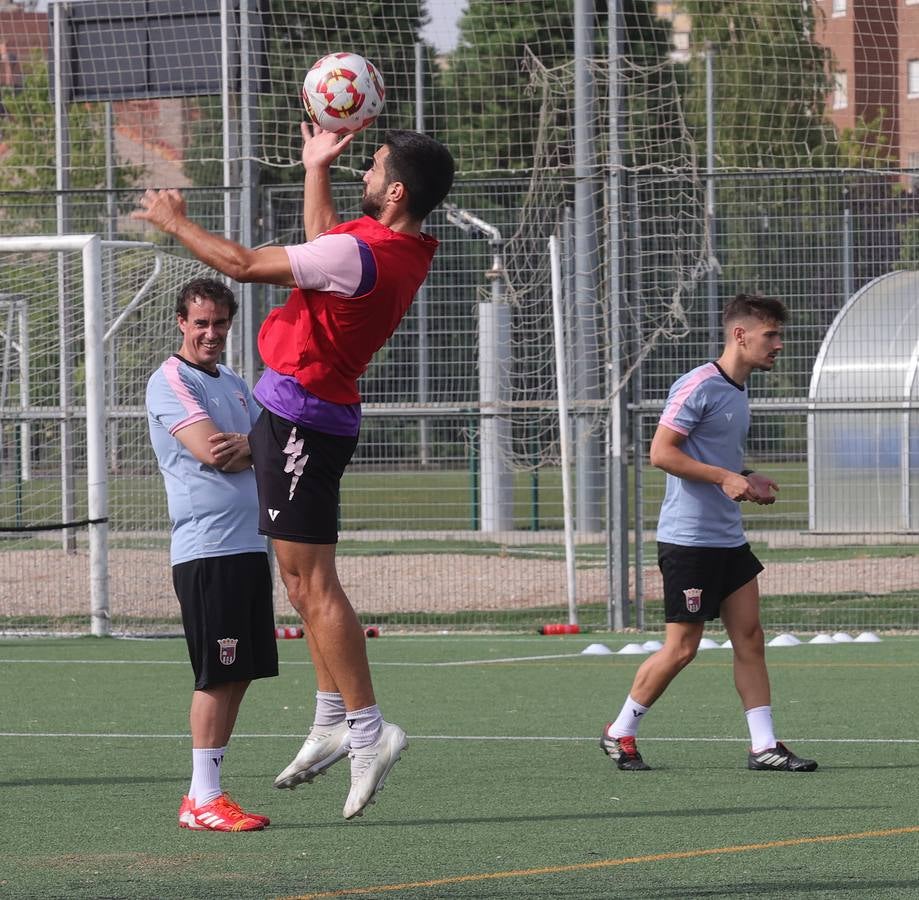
[28,161]
[770,85]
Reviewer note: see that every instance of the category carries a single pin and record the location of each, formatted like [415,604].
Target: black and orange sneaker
[622,751]
[780,759]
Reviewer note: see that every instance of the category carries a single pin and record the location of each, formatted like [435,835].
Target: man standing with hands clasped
[706,562]
[199,413]
[354,281]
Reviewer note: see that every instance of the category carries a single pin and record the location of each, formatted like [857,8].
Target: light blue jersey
[713,413]
[213,513]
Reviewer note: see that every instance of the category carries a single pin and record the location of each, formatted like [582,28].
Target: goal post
[90,248]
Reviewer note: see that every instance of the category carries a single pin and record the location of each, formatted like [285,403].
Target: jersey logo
[729,416]
[296,460]
[693,599]
[273,514]
[215,401]
[228,650]
[242,400]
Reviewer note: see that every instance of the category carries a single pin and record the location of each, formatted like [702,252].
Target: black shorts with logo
[228,617]
[298,472]
[697,579]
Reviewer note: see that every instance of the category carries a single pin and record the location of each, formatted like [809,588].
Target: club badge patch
[228,650]
[693,599]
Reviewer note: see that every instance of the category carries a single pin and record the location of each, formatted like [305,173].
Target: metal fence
[417,550]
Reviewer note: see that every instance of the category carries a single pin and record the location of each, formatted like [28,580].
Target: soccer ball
[343,92]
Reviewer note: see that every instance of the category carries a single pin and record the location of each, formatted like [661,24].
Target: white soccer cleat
[324,746]
[370,766]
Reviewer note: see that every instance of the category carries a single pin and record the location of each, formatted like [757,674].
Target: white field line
[448,737]
[182,662]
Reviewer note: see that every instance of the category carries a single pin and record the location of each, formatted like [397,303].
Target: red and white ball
[343,92]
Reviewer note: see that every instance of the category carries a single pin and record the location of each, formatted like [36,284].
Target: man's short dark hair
[766,309]
[423,165]
[205,289]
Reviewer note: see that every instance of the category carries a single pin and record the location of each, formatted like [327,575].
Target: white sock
[629,719]
[365,725]
[205,774]
[330,709]
[759,721]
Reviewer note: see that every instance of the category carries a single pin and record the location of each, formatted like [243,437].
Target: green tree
[28,164]
[771,83]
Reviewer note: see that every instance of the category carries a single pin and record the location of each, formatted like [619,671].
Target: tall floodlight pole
[232,350]
[62,183]
[586,356]
[711,279]
[617,540]
[248,176]
[421,298]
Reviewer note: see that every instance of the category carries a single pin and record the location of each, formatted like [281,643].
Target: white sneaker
[324,746]
[370,766]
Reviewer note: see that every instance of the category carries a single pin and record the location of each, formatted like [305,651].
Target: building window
[839,7]
[912,78]
[841,91]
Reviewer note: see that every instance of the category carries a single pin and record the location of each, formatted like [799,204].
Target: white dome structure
[863,438]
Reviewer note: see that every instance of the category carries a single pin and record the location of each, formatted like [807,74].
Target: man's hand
[164,209]
[753,487]
[761,489]
[230,451]
[321,148]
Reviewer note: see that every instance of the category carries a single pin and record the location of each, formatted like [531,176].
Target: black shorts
[298,472]
[697,579]
[228,617]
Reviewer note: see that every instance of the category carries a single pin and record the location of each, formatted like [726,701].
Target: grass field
[503,791]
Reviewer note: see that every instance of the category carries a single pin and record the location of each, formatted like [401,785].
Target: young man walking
[707,565]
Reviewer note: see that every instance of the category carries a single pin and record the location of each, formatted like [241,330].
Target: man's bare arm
[265,265]
[667,454]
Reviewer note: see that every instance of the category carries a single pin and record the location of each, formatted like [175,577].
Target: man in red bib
[353,282]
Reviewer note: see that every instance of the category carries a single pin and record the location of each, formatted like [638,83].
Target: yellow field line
[608,863]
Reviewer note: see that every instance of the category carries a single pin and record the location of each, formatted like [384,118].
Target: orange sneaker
[221,814]
[264,819]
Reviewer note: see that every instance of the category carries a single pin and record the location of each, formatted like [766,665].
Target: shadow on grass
[576,816]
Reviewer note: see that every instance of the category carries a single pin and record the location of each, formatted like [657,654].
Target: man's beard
[371,206]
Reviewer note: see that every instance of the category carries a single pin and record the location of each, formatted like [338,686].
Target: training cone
[867,637]
[784,640]
[633,648]
[709,644]
[596,650]
[821,639]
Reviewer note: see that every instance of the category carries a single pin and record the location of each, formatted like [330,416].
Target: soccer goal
[83,527]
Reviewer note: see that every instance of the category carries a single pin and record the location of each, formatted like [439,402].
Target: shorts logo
[693,599]
[228,650]
[273,514]
[296,460]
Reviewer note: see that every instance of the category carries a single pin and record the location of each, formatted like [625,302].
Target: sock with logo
[205,774]
[629,719]
[759,721]
[330,709]
[365,725]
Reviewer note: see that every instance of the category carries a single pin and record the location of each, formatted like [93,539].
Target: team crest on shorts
[693,599]
[228,650]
